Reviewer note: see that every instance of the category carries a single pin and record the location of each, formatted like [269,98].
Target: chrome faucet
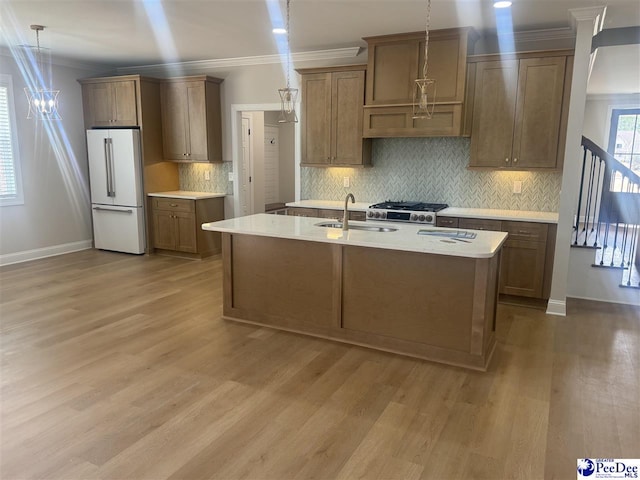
[345,218]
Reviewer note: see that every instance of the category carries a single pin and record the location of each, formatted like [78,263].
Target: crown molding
[588,14]
[202,65]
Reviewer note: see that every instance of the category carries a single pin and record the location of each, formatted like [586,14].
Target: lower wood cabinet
[527,255]
[325,213]
[177,221]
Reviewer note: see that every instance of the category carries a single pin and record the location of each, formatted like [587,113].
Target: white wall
[597,115]
[55,216]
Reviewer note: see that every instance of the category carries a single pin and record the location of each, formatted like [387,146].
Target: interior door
[125,160]
[97,148]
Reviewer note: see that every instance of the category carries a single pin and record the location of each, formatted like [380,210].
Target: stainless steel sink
[356,227]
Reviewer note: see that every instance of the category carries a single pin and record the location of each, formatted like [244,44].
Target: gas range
[408,212]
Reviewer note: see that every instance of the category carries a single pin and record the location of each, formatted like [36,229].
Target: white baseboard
[557,307]
[27,255]
[631,303]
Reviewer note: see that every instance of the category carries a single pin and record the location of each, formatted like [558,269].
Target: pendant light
[288,95]
[424,92]
[43,101]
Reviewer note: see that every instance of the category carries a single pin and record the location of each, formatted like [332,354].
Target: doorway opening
[266,160]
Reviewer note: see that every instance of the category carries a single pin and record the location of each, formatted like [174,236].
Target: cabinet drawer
[174,204]
[450,222]
[533,232]
[480,224]
[361,216]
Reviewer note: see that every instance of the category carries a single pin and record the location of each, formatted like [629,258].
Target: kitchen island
[426,296]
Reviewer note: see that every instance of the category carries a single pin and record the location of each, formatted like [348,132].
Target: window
[10,179]
[624,138]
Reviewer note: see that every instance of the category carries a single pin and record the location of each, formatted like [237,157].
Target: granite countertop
[187,195]
[485,245]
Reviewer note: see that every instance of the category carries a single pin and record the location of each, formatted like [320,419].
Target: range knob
[414,217]
[429,218]
[421,218]
[377,214]
[369,214]
[384,214]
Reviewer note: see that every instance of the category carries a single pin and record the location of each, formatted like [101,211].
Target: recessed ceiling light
[501,4]
[279,31]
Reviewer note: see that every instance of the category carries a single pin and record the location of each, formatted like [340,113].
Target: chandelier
[43,101]
[288,95]
[424,93]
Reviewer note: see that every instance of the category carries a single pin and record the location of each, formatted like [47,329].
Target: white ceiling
[122,33]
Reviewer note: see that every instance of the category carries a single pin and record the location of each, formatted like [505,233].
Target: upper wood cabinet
[110,101]
[331,117]
[191,119]
[520,109]
[395,62]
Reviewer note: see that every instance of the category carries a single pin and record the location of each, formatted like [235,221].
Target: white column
[588,22]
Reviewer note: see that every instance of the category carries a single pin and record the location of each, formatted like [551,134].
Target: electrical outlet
[231,176]
[517,186]
[346,182]
[207,175]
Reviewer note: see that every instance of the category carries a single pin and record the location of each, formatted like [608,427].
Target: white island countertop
[406,238]
[187,195]
[495,214]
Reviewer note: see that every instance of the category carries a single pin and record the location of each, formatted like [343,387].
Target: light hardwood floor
[120,367]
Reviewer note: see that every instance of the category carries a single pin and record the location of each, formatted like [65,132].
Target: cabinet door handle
[506,160]
[515,160]
[173,204]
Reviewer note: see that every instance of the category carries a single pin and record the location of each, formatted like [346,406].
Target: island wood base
[436,307]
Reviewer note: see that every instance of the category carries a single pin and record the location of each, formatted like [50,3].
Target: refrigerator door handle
[113,168]
[107,166]
[121,210]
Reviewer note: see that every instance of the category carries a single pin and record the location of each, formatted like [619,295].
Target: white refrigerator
[115,176]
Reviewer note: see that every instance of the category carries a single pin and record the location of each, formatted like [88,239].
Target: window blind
[8,181]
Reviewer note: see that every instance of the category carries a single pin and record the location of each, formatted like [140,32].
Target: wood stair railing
[608,213]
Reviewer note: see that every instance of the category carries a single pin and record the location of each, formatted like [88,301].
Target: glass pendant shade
[424,95]
[288,99]
[42,100]
[424,91]
[43,104]
[288,95]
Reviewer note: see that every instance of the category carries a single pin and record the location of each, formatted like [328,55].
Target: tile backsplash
[432,170]
[192,177]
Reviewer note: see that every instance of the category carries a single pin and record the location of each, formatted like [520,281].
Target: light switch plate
[346,182]
[517,186]
[231,176]
[207,175]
